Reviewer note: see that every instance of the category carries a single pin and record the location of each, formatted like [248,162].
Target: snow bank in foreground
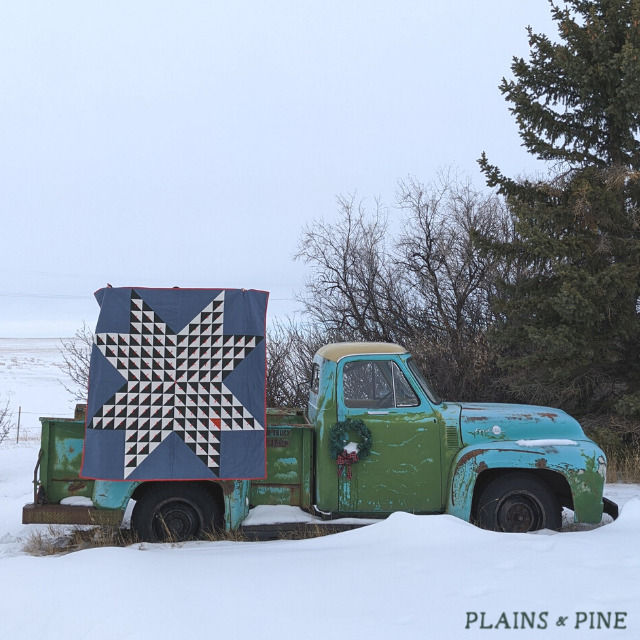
[410,576]
[406,577]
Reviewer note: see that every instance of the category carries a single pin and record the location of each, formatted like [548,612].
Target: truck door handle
[378,413]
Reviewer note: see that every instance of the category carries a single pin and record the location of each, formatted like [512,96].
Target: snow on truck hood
[482,422]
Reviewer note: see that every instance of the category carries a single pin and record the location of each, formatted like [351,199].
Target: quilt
[177,385]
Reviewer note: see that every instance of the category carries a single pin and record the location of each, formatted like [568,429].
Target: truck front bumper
[610,508]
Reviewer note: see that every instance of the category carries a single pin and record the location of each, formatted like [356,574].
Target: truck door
[402,471]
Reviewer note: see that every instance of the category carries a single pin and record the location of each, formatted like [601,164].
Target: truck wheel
[175,512]
[517,503]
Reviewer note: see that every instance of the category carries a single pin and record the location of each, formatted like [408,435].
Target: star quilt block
[177,385]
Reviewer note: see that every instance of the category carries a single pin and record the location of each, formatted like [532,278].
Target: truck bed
[289,439]
[290,449]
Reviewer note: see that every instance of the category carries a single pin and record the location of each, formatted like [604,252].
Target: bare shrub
[76,356]
[451,281]
[355,289]
[290,351]
[429,289]
[5,420]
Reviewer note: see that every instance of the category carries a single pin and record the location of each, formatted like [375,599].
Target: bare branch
[5,420]
[76,356]
[430,289]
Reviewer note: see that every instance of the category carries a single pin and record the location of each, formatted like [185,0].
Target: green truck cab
[375,439]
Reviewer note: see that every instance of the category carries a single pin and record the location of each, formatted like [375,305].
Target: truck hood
[488,422]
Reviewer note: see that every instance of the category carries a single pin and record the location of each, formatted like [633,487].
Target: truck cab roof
[339,350]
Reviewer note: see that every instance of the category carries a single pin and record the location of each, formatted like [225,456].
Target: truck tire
[517,503]
[175,512]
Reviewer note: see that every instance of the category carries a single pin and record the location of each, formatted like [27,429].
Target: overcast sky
[156,143]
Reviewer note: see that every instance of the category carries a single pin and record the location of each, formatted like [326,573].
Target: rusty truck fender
[115,496]
[575,470]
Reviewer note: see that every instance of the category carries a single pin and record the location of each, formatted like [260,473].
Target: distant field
[30,380]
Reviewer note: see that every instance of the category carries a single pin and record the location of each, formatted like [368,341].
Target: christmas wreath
[339,440]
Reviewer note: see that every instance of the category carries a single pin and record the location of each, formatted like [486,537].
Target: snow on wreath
[177,385]
[345,452]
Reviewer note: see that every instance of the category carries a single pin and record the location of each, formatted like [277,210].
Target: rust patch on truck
[476,418]
[462,484]
[227,486]
[520,417]
[77,486]
[470,455]
[551,416]
[541,463]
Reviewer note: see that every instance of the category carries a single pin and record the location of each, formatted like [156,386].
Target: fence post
[18,434]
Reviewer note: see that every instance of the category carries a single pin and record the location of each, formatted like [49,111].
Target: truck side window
[376,384]
[405,395]
[315,378]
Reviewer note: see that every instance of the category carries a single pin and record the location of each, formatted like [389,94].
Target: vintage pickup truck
[374,439]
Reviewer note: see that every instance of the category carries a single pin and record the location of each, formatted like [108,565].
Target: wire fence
[16,431]
[17,435]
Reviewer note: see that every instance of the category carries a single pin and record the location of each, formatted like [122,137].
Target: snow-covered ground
[406,577]
[31,381]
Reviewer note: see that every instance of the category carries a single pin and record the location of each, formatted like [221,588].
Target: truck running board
[293,530]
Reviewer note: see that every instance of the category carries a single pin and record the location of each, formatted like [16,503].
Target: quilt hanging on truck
[177,385]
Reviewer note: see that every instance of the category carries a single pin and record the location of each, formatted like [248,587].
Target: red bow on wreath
[346,460]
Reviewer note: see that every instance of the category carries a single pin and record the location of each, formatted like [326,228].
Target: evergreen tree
[568,324]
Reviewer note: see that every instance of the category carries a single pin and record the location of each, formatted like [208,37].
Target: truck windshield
[422,381]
